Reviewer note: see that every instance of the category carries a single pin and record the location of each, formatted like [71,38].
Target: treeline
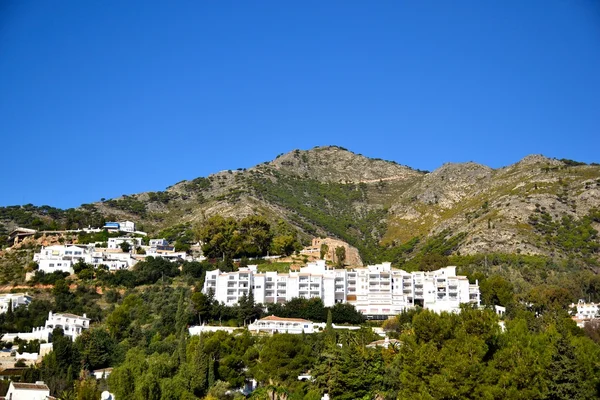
[142,332]
[252,236]
[467,356]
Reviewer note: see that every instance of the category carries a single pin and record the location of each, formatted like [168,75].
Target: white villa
[115,243]
[71,324]
[123,226]
[62,257]
[585,310]
[13,300]
[272,324]
[377,291]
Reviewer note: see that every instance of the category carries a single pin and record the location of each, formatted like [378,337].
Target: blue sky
[104,98]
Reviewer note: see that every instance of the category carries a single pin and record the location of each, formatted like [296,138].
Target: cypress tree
[181,315]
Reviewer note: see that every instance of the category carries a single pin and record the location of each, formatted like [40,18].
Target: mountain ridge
[374,204]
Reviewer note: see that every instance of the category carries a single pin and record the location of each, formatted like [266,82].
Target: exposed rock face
[352,257]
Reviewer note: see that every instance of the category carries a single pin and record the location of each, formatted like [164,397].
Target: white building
[158,242]
[122,226]
[115,243]
[377,291]
[27,391]
[71,324]
[102,373]
[62,257]
[13,300]
[272,324]
[585,310]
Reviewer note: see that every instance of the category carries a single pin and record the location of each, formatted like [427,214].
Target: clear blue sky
[104,98]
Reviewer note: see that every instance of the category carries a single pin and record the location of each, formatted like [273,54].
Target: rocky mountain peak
[336,164]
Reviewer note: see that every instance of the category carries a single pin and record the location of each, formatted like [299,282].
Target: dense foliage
[51,218]
[252,236]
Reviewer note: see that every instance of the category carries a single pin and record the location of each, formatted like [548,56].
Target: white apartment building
[13,300]
[378,291]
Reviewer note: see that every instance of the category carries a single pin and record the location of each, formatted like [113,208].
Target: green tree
[125,247]
[324,251]
[564,374]
[87,389]
[96,347]
[340,255]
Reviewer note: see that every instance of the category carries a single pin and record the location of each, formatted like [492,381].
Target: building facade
[585,311]
[28,391]
[377,291]
[13,300]
[71,324]
[272,324]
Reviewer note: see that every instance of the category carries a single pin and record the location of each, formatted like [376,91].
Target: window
[51,265]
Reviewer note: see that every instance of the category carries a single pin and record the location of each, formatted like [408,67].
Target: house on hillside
[28,391]
[123,226]
[18,234]
[13,300]
[71,324]
[272,324]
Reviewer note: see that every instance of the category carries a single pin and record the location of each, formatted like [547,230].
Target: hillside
[538,206]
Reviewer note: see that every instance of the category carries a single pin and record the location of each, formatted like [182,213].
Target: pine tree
[564,373]
[182,347]
[211,371]
[199,384]
[329,332]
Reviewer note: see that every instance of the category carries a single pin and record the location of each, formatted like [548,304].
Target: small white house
[58,264]
[158,242]
[13,300]
[28,391]
[115,243]
[272,324]
[102,373]
[125,226]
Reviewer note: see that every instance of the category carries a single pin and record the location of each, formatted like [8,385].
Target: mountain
[538,206]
